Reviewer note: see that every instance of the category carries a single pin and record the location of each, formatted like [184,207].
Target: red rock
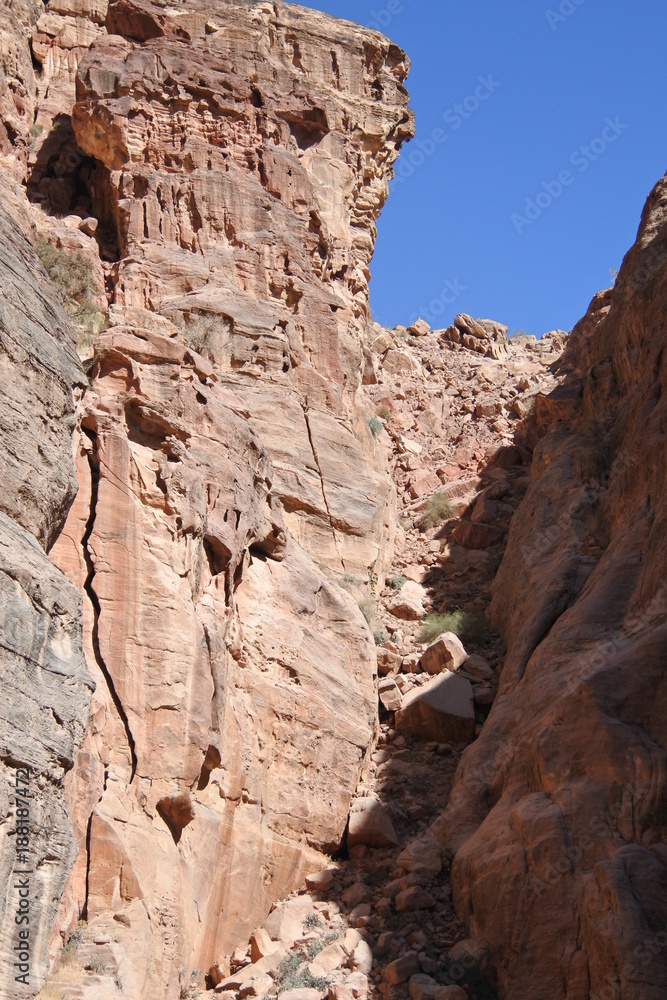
[414,898]
[441,709]
[400,970]
[446,653]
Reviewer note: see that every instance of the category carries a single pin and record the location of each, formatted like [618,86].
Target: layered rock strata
[235,699]
[237,158]
[44,685]
[243,154]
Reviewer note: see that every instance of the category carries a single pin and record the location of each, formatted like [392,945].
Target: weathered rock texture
[238,157]
[235,698]
[558,813]
[243,154]
[44,685]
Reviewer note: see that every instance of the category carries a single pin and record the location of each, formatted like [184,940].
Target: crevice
[304,406]
[94,600]
[84,909]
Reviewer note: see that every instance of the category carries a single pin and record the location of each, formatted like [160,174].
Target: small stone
[390,694]
[261,945]
[358,983]
[88,225]
[419,329]
[303,994]
[362,958]
[414,898]
[422,857]
[446,653]
[357,893]
[370,824]
[320,880]
[445,993]
[257,987]
[478,666]
[421,987]
[400,970]
[360,912]
[330,958]
[408,603]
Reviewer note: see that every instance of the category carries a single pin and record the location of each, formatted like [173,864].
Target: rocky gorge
[336,654]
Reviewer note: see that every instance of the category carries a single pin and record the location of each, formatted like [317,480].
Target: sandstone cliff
[44,685]
[236,157]
[215,170]
[557,816]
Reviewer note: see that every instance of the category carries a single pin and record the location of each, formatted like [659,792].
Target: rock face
[242,155]
[574,754]
[236,157]
[220,652]
[44,685]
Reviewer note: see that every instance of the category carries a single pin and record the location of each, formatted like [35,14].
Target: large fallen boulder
[370,824]
[441,709]
[446,653]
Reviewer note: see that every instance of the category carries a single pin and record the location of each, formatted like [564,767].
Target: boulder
[397,362]
[414,898]
[401,969]
[478,666]
[421,987]
[390,694]
[446,653]
[370,824]
[408,602]
[441,710]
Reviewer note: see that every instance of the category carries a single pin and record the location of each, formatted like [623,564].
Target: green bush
[468,626]
[438,510]
[376,426]
[72,275]
[397,582]
[381,636]
[312,921]
[384,412]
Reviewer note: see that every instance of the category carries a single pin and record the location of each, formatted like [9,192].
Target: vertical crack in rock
[94,599]
[319,471]
[84,908]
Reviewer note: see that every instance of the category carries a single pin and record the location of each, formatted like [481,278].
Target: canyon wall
[557,819]
[236,157]
[44,684]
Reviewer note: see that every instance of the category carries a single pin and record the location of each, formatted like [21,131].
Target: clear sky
[572,87]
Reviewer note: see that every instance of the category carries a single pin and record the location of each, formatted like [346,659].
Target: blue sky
[578,90]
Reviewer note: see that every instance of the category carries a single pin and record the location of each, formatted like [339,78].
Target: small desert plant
[72,274]
[35,130]
[312,921]
[292,975]
[349,580]
[397,582]
[383,412]
[192,988]
[97,967]
[375,426]
[380,636]
[468,626]
[368,608]
[438,510]
[199,331]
